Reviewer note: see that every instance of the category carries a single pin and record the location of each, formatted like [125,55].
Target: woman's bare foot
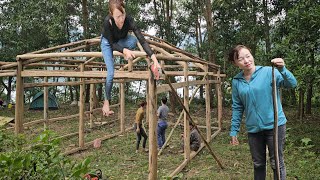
[106,109]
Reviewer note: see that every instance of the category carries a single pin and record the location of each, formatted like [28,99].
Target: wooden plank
[5,120]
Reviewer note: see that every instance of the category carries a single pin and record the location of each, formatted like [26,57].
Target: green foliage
[41,160]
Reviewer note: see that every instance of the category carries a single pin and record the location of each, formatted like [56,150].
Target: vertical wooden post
[185,117]
[122,107]
[130,65]
[208,110]
[45,104]
[219,97]
[19,108]
[147,100]
[152,104]
[81,109]
[162,64]
[92,95]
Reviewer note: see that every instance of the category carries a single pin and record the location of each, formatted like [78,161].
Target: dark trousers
[141,133]
[258,142]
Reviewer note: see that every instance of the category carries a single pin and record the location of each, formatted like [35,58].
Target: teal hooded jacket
[254,99]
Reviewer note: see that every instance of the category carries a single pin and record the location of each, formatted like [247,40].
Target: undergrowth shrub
[37,159]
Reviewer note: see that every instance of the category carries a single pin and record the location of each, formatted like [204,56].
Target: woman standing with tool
[252,95]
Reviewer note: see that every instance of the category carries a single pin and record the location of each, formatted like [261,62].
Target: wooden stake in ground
[275,127]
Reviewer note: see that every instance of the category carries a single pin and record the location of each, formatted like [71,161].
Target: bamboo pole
[19,108]
[81,110]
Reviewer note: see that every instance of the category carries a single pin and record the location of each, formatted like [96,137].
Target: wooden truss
[79,60]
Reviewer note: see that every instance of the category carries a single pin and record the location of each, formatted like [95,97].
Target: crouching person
[195,139]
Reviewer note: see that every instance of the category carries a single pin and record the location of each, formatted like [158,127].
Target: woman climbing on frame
[252,95]
[115,37]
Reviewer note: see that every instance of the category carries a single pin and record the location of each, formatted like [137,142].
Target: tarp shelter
[38,103]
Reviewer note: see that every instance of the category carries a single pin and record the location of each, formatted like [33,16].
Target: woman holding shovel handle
[252,96]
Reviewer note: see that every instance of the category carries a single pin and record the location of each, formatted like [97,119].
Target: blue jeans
[258,142]
[130,42]
[161,132]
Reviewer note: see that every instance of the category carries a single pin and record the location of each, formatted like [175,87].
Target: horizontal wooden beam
[87,145]
[6,74]
[75,83]
[85,74]
[73,54]
[166,87]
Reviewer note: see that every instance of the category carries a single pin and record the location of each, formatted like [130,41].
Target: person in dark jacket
[115,37]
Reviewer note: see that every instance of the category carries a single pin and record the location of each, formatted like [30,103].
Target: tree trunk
[9,89]
[266,28]
[198,43]
[293,97]
[158,16]
[85,24]
[209,19]
[100,92]
[301,105]
[172,97]
[309,96]
[210,50]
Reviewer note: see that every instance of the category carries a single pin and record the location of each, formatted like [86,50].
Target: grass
[117,158]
